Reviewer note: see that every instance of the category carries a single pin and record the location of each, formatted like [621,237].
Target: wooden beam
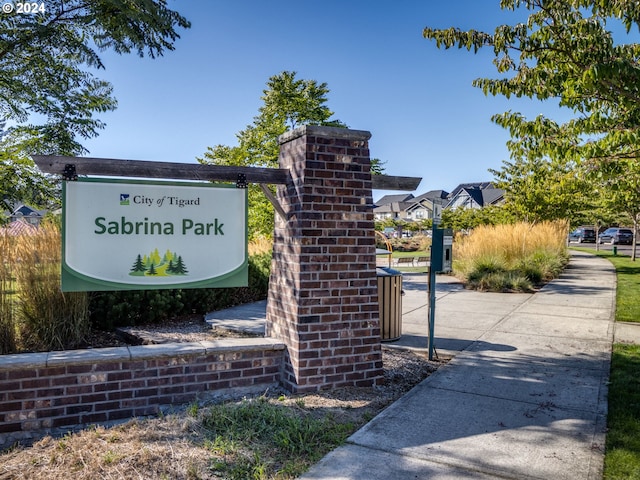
[274,201]
[149,169]
[193,171]
[389,182]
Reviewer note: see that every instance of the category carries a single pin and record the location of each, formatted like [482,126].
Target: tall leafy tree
[288,103]
[566,52]
[538,189]
[48,93]
[469,218]
[20,180]
[620,187]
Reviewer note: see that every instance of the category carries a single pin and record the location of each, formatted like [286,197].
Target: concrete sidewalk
[524,396]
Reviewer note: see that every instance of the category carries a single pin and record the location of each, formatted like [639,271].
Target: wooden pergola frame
[56,164]
[71,167]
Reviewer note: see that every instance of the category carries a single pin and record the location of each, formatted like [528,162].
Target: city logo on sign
[124,199]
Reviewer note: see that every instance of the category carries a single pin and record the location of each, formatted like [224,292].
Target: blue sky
[425,118]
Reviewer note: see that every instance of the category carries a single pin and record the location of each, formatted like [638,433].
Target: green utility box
[441,249]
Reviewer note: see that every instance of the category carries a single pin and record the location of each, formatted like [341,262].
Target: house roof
[432,195]
[476,185]
[19,227]
[490,196]
[482,193]
[394,198]
[481,196]
[475,193]
[393,207]
[22,210]
[426,203]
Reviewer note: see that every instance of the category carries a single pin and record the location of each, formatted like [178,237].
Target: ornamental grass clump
[48,318]
[8,328]
[515,257]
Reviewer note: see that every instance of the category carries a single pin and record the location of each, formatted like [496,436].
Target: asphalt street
[622,249]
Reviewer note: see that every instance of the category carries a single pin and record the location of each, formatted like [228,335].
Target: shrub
[518,283]
[531,272]
[501,282]
[411,244]
[485,265]
[125,308]
[36,315]
[424,243]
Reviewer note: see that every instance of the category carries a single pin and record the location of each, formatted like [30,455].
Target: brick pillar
[323,297]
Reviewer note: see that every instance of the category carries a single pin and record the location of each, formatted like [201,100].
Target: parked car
[583,234]
[619,236]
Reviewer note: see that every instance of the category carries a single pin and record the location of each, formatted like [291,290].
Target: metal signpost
[436,255]
[440,261]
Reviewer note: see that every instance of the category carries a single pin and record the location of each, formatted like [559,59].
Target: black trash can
[390,303]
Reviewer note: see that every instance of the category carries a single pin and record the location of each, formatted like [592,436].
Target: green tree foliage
[619,183]
[538,189]
[469,218]
[377,166]
[288,103]
[20,180]
[566,52]
[48,93]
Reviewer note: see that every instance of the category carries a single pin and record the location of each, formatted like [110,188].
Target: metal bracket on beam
[69,172]
[241,181]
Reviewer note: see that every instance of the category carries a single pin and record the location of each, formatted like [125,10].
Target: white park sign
[140,235]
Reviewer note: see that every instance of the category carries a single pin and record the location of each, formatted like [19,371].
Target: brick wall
[323,301]
[50,393]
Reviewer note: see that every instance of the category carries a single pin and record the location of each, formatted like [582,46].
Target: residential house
[18,227]
[27,214]
[392,207]
[475,195]
[408,207]
[421,207]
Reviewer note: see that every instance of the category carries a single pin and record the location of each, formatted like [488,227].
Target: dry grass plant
[8,330]
[520,252]
[48,318]
[260,245]
[512,242]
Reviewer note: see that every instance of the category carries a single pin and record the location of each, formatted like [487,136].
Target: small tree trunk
[635,234]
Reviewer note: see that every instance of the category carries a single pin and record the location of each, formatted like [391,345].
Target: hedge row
[109,310]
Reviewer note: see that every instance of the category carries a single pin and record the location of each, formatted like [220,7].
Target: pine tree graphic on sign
[138,267]
[180,268]
[153,264]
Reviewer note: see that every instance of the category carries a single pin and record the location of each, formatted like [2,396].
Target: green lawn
[628,292]
[622,458]
[622,454]
[422,268]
